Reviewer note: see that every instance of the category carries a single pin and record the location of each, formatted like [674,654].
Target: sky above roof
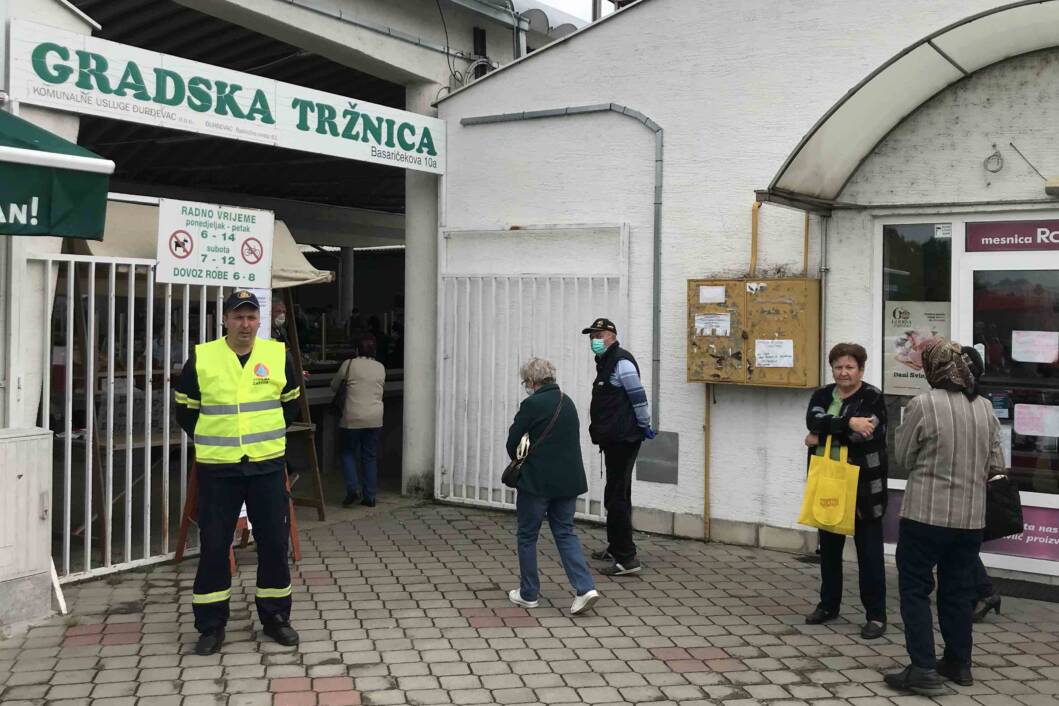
[579,8]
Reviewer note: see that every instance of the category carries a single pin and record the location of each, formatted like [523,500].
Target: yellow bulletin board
[761,332]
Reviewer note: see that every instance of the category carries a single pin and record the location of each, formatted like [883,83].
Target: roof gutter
[656,295]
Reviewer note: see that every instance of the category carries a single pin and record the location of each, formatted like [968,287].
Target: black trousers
[268,509]
[983,585]
[868,538]
[921,547]
[617,498]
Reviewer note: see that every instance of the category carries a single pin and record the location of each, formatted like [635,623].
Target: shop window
[917,267]
[1016,329]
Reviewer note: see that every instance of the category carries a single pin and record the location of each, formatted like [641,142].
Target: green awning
[48,185]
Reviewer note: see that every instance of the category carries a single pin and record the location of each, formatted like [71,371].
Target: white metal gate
[113,344]
[505,296]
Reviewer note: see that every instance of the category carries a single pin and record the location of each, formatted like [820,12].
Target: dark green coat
[555,468]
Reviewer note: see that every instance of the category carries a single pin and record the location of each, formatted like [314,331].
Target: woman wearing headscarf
[950,442]
[988,598]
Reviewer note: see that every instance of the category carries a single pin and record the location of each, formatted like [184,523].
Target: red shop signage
[999,236]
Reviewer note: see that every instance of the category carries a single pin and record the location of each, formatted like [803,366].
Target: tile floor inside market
[406,604]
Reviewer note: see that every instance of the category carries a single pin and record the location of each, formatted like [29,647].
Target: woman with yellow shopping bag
[846,488]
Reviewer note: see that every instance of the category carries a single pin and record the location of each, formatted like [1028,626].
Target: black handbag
[338,401]
[1003,509]
[513,471]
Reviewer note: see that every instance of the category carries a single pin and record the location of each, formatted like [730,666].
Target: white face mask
[280,320]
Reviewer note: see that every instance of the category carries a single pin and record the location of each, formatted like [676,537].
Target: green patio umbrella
[48,185]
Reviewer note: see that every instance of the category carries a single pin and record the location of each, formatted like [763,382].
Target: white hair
[536,372]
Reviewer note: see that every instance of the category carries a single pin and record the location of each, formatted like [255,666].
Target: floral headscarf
[946,368]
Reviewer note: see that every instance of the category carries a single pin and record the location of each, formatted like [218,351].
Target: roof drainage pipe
[656,296]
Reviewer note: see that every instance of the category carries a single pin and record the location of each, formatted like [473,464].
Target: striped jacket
[951,446]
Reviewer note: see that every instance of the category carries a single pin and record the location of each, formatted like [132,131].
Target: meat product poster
[907,328]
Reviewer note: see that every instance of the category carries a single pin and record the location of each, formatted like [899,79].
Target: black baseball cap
[601,325]
[240,297]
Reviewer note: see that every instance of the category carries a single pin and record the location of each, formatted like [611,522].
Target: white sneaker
[515,596]
[584,602]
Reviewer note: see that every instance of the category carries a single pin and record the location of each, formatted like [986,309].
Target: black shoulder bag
[1003,508]
[514,469]
[338,401]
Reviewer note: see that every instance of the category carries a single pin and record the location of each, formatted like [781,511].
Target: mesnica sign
[67,71]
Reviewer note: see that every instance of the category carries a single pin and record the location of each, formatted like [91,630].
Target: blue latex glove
[649,433]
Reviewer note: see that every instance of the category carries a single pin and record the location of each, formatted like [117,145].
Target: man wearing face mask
[620,420]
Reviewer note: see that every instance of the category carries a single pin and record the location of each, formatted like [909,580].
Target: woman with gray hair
[552,477]
[950,442]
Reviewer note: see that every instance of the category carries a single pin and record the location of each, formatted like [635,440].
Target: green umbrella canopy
[48,185]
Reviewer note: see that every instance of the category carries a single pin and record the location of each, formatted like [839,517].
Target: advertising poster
[1039,538]
[907,328]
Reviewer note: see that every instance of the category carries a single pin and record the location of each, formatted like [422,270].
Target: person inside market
[620,420]
[853,414]
[949,440]
[236,396]
[362,382]
[279,319]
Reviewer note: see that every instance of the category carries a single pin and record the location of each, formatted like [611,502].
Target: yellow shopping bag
[830,500]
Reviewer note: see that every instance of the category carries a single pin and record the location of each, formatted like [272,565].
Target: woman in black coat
[552,477]
[853,414]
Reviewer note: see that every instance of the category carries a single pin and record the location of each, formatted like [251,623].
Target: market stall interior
[338,266]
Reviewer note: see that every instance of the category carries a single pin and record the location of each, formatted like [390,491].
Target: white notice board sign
[213,244]
[774,353]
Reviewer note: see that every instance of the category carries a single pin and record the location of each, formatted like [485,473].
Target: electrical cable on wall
[1019,152]
[448,49]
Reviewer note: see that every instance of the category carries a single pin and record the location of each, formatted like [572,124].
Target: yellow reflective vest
[241,411]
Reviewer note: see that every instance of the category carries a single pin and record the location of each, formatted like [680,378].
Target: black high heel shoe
[984,606]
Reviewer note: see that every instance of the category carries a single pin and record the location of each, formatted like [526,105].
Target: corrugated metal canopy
[825,159]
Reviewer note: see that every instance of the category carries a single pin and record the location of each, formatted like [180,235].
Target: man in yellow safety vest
[235,398]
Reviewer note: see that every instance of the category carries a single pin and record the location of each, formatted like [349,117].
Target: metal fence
[114,340]
[488,327]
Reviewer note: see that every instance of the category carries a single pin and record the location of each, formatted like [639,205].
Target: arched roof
[819,167]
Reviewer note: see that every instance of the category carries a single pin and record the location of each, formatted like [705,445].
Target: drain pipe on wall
[656,297]
[824,269]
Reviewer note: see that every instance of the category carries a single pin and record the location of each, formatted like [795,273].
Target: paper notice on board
[709,294]
[774,353]
[713,324]
[1005,444]
[1037,420]
[1035,346]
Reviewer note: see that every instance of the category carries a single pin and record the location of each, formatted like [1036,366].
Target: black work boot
[209,642]
[954,671]
[926,682]
[282,632]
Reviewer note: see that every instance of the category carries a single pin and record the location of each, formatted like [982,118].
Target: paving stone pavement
[409,606]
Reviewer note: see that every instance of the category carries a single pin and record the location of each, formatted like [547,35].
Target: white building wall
[735,85]
[937,153]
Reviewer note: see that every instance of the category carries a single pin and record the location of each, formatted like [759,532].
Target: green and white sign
[82,74]
[213,244]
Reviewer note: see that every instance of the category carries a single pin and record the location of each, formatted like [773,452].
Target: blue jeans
[361,447]
[531,511]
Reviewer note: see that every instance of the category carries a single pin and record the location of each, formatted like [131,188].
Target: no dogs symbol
[181,244]
[252,251]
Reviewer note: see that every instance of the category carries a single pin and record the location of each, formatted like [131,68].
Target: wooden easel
[305,426]
[190,514]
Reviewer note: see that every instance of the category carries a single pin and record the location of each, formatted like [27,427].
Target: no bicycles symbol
[252,251]
[181,244]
